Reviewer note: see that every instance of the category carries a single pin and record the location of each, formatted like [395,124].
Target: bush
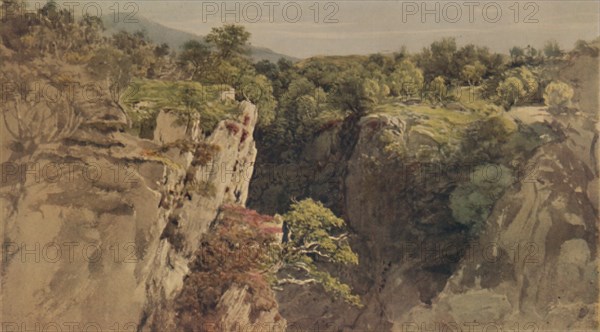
[510,91]
[234,252]
[472,201]
[558,95]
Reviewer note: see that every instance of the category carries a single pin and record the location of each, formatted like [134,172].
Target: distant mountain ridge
[159,34]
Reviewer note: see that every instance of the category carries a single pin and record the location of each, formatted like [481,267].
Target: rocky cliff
[435,253]
[99,226]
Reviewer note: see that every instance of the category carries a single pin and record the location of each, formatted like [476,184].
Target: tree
[355,94]
[530,83]
[552,50]
[230,40]
[516,55]
[267,68]
[162,50]
[473,74]
[314,234]
[112,66]
[510,91]
[406,80]
[258,90]
[439,59]
[438,91]
[30,120]
[299,106]
[197,56]
[558,95]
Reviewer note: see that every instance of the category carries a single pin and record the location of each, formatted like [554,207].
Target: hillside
[159,34]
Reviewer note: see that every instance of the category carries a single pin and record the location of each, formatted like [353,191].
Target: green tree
[510,91]
[558,95]
[197,57]
[258,90]
[438,92]
[530,83]
[267,68]
[230,40]
[356,94]
[406,80]
[312,233]
[473,74]
[439,59]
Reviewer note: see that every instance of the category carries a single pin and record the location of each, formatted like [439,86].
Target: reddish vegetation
[233,128]
[234,252]
[246,120]
[329,125]
[244,136]
[238,213]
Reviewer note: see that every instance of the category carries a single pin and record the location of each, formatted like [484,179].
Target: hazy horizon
[366,27]
[370,27]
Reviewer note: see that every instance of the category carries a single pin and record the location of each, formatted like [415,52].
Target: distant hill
[159,34]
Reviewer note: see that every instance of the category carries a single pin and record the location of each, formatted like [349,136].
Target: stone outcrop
[98,227]
[532,266]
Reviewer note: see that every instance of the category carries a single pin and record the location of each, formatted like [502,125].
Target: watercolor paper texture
[299,165]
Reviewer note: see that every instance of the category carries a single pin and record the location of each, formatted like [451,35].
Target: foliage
[437,60]
[552,50]
[230,40]
[236,250]
[558,95]
[406,80]
[356,94]
[30,122]
[314,234]
[197,57]
[112,66]
[472,201]
[483,139]
[145,98]
[473,74]
[438,92]
[258,90]
[510,91]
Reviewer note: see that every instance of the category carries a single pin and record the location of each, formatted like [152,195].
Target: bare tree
[32,123]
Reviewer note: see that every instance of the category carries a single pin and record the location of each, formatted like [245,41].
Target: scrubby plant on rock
[557,96]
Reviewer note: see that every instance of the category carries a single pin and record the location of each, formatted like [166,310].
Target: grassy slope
[145,98]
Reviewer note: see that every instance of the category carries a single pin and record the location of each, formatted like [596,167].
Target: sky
[309,28]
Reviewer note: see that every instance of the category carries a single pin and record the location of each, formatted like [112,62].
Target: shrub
[471,202]
[234,251]
[510,91]
[558,95]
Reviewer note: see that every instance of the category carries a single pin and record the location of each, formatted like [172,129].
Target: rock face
[533,265]
[537,263]
[98,228]
[394,204]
